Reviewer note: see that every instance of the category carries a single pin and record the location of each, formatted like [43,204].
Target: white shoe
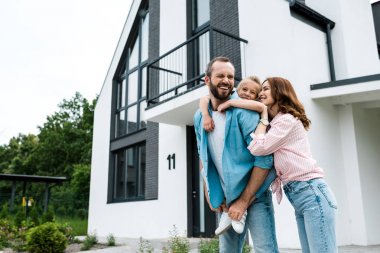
[224,224]
[239,225]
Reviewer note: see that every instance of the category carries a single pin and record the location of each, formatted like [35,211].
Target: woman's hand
[264,113]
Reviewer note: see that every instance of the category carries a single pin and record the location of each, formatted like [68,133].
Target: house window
[131,82]
[127,170]
[201,14]
[129,176]
[376,19]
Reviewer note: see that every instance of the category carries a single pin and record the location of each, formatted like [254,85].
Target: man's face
[221,82]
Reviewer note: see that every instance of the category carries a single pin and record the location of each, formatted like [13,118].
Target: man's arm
[238,207]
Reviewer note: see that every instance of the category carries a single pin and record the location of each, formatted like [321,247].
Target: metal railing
[182,69]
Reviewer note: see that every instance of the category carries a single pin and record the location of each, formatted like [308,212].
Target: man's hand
[237,209]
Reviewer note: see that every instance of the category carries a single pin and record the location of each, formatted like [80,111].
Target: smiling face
[248,89]
[221,81]
[265,95]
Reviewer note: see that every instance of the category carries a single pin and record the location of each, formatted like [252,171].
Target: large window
[131,82]
[128,138]
[129,178]
[200,21]
[201,14]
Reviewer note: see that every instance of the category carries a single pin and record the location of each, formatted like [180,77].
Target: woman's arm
[242,103]
[208,123]
[267,143]
[263,123]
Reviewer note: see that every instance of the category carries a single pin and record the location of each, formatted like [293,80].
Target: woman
[303,183]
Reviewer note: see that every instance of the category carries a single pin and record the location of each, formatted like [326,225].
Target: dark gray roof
[32,178]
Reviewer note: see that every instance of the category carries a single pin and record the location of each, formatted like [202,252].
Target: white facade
[344,137]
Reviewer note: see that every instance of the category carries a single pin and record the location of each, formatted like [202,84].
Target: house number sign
[171,158]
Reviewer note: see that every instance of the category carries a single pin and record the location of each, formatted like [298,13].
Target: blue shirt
[237,161]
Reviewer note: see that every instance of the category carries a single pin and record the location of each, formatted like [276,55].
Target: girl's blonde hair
[254,79]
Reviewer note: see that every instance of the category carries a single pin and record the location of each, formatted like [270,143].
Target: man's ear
[207,80]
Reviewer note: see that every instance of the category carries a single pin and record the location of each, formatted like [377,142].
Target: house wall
[354,38]
[344,139]
[290,48]
[367,122]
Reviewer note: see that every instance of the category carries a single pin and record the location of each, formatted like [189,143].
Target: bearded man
[232,176]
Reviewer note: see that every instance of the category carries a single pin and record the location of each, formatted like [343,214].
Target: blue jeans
[315,207]
[260,222]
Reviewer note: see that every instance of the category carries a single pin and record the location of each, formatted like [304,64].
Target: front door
[201,220]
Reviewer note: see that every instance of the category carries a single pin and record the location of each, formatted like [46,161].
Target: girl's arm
[208,123]
[242,103]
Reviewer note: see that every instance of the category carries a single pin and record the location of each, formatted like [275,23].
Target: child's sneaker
[224,224]
[239,225]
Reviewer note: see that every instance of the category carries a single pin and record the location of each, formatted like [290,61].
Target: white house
[145,176]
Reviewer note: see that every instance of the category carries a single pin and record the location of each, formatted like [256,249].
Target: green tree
[62,148]
[66,138]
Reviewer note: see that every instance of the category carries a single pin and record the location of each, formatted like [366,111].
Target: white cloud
[49,50]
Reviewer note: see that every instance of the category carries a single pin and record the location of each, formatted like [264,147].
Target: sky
[48,51]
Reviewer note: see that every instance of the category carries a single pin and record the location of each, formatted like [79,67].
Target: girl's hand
[224,106]
[208,123]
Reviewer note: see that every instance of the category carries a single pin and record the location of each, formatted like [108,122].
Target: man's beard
[215,93]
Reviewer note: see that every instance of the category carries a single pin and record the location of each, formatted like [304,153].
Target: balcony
[176,79]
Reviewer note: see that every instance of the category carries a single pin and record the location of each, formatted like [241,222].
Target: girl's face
[265,95]
[248,89]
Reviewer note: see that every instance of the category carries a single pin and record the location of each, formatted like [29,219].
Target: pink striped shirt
[287,140]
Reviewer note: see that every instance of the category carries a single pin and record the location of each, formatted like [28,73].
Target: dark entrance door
[201,220]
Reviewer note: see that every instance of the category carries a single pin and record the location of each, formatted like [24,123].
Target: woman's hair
[284,95]
[254,79]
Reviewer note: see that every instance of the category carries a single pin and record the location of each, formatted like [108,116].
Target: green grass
[79,226]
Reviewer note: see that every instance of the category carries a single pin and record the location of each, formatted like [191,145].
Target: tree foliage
[62,148]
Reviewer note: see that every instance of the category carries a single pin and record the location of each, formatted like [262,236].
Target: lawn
[79,225]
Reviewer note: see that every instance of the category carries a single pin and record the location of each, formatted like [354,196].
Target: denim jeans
[315,207]
[260,222]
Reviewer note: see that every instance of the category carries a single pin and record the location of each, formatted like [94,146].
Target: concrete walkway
[132,246]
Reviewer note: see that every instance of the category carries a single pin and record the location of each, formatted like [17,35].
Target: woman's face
[265,95]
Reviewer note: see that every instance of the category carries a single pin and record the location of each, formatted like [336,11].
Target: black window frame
[135,139]
[137,166]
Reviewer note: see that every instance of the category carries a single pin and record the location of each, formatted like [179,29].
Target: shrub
[6,233]
[145,246]
[247,248]
[48,216]
[178,244]
[89,241]
[4,211]
[209,246]
[111,240]
[212,246]
[19,218]
[67,231]
[46,238]
[34,217]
